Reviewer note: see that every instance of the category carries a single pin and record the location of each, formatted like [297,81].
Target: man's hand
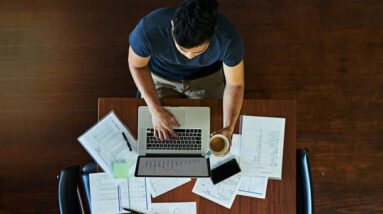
[163,123]
[228,133]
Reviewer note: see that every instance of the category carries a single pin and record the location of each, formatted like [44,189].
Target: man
[180,52]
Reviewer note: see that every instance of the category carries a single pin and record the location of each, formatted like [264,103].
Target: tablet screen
[172,167]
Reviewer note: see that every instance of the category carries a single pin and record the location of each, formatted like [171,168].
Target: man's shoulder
[159,16]
[156,24]
[225,28]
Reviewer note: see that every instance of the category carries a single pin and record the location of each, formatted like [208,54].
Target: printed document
[109,197]
[253,187]
[262,146]
[222,193]
[174,208]
[160,186]
[250,186]
[106,144]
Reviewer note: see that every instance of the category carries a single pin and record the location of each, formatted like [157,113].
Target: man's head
[193,24]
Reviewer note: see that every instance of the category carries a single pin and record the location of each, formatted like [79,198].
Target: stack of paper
[259,150]
[224,192]
[109,197]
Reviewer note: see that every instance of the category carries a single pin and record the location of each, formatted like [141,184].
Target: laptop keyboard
[187,139]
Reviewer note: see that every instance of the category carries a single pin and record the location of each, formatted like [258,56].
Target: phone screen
[225,171]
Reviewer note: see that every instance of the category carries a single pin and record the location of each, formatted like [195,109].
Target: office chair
[74,189]
[68,191]
[305,202]
[88,168]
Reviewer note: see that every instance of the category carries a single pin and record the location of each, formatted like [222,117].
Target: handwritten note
[262,146]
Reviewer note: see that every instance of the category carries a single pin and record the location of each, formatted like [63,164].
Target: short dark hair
[194,22]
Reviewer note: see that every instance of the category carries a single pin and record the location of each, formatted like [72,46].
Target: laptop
[182,156]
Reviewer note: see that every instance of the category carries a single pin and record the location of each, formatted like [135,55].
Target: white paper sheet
[253,187]
[222,193]
[249,186]
[109,197]
[105,143]
[104,194]
[262,146]
[160,186]
[174,208]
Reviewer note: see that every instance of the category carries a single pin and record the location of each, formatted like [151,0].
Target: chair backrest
[88,168]
[305,201]
[68,192]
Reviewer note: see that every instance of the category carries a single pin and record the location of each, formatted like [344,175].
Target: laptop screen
[172,167]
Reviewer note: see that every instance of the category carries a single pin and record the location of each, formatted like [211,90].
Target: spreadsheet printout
[262,146]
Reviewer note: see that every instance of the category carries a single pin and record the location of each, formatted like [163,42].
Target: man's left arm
[232,97]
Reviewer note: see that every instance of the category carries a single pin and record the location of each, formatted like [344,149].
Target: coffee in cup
[218,144]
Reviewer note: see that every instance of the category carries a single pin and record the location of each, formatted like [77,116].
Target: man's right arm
[163,121]
[141,75]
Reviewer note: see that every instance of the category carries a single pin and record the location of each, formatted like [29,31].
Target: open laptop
[182,156]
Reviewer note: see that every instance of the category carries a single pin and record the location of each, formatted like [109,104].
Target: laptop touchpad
[180,115]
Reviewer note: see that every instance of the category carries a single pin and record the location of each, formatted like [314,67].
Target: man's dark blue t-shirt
[152,37]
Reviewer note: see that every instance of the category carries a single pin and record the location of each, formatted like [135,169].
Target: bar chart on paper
[262,146]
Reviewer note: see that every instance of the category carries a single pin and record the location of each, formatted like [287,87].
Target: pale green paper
[120,170]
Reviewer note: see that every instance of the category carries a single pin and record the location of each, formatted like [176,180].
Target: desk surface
[280,196]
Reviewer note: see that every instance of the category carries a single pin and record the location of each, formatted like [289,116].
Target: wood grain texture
[280,194]
[57,57]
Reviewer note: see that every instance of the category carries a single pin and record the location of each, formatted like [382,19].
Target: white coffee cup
[218,144]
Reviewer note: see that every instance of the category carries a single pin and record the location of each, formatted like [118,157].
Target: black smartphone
[225,171]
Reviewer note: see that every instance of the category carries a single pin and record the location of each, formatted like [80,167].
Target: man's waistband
[203,72]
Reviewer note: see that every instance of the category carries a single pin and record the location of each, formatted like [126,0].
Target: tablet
[172,167]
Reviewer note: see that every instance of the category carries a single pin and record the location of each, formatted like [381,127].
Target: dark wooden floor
[57,57]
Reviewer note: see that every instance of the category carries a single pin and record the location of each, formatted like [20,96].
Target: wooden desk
[281,195]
